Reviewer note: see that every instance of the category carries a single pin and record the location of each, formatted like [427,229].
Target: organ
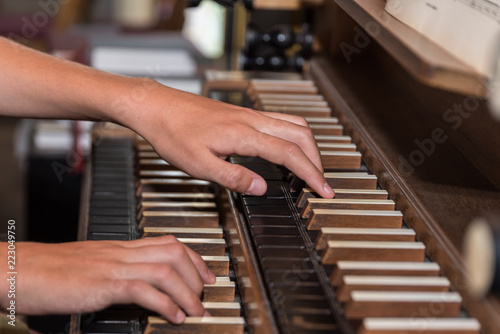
[412,164]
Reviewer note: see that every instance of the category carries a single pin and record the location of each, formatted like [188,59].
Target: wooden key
[373,251]
[204,219]
[333,139]
[340,160]
[209,247]
[253,92]
[362,234]
[342,194]
[348,204]
[373,268]
[144,147]
[208,325]
[222,309]
[354,218]
[301,111]
[390,283]
[148,155]
[366,304]
[219,265]
[154,164]
[336,147]
[327,129]
[345,180]
[419,326]
[220,291]
[172,185]
[183,232]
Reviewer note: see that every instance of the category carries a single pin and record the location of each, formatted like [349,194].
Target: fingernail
[256,188]
[180,316]
[206,314]
[328,190]
[211,276]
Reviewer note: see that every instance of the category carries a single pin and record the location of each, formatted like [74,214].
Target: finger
[168,280]
[234,177]
[175,255]
[293,131]
[290,155]
[207,276]
[286,117]
[143,294]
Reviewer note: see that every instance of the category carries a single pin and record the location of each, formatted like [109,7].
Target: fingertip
[328,191]
[258,187]
[206,314]
[210,278]
[180,317]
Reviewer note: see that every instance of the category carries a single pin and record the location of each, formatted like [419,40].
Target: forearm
[37,85]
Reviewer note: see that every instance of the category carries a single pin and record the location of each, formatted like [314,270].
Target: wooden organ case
[409,146]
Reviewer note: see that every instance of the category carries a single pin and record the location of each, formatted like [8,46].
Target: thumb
[234,177]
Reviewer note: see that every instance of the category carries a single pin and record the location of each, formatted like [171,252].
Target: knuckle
[163,271]
[134,288]
[177,250]
[292,149]
[170,239]
[232,176]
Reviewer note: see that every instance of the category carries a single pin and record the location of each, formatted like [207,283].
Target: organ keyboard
[290,262]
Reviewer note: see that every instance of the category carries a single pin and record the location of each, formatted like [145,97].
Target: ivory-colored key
[336,147]
[322,120]
[153,162]
[204,219]
[183,232]
[283,83]
[176,196]
[364,304]
[219,265]
[340,160]
[254,92]
[373,251]
[292,97]
[354,218]
[362,234]
[327,129]
[301,111]
[175,206]
[222,309]
[347,204]
[382,268]
[342,194]
[208,325]
[426,325]
[351,180]
[147,155]
[292,103]
[390,283]
[211,247]
[177,174]
[332,139]
[220,291]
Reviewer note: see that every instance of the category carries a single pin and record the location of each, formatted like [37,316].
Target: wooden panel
[373,268]
[373,251]
[219,265]
[354,218]
[220,291]
[362,234]
[340,160]
[351,180]
[365,304]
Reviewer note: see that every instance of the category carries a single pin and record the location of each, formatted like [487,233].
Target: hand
[196,134]
[158,274]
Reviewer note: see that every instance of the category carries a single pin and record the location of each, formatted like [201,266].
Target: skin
[194,133]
